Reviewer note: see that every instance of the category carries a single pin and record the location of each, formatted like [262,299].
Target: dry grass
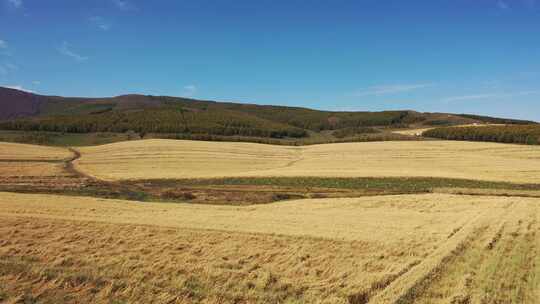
[419,131]
[149,159]
[413,132]
[499,264]
[396,220]
[430,248]
[383,249]
[13,151]
[490,192]
[31,169]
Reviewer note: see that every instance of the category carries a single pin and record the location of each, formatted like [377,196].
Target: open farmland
[150,159]
[382,250]
[270,224]
[20,152]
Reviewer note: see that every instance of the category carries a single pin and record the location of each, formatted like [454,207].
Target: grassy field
[383,250]
[150,159]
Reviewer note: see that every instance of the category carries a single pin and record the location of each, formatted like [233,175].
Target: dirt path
[70,165]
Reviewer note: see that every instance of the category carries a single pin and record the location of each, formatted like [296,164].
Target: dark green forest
[176,117]
[157,114]
[518,134]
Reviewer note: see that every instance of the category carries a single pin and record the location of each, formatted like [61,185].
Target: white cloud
[124,5]
[18,87]
[502,5]
[15,3]
[100,23]
[36,82]
[65,49]
[489,95]
[190,90]
[390,89]
[3,44]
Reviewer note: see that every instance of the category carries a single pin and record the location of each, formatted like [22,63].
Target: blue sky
[474,56]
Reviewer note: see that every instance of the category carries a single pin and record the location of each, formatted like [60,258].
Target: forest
[518,134]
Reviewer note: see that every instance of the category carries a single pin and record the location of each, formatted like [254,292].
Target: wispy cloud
[489,96]
[36,82]
[15,3]
[5,50]
[18,87]
[470,97]
[502,5]
[124,5]
[390,89]
[190,90]
[65,49]
[100,23]
[6,68]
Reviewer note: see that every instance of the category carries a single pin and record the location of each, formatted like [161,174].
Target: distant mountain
[15,103]
[173,115]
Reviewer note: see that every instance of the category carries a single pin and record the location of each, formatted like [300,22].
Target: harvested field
[151,159]
[379,250]
[17,169]
[340,218]
[414,132]
[20,152]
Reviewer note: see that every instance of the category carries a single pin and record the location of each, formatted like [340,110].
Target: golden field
[414,132]
[19,169]
[149,159]
[458,245]
[391,249]
[18,152]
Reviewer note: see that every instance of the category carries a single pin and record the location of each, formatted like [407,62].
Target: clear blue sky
[476,56]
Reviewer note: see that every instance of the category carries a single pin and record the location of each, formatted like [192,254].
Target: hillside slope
[189,117]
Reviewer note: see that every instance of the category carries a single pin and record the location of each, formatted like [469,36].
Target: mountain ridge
[177,115]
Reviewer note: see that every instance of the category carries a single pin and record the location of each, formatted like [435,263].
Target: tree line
[518,134]
[159,121]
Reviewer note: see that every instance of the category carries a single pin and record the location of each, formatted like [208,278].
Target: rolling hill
[191,118]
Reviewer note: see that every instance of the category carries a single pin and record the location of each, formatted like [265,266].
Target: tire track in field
[300,157]
[407,287]
[377,289]
[497,239]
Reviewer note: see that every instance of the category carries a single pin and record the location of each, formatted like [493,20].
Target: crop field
[148,159]
[217,222]
[18,152]
[432,248]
